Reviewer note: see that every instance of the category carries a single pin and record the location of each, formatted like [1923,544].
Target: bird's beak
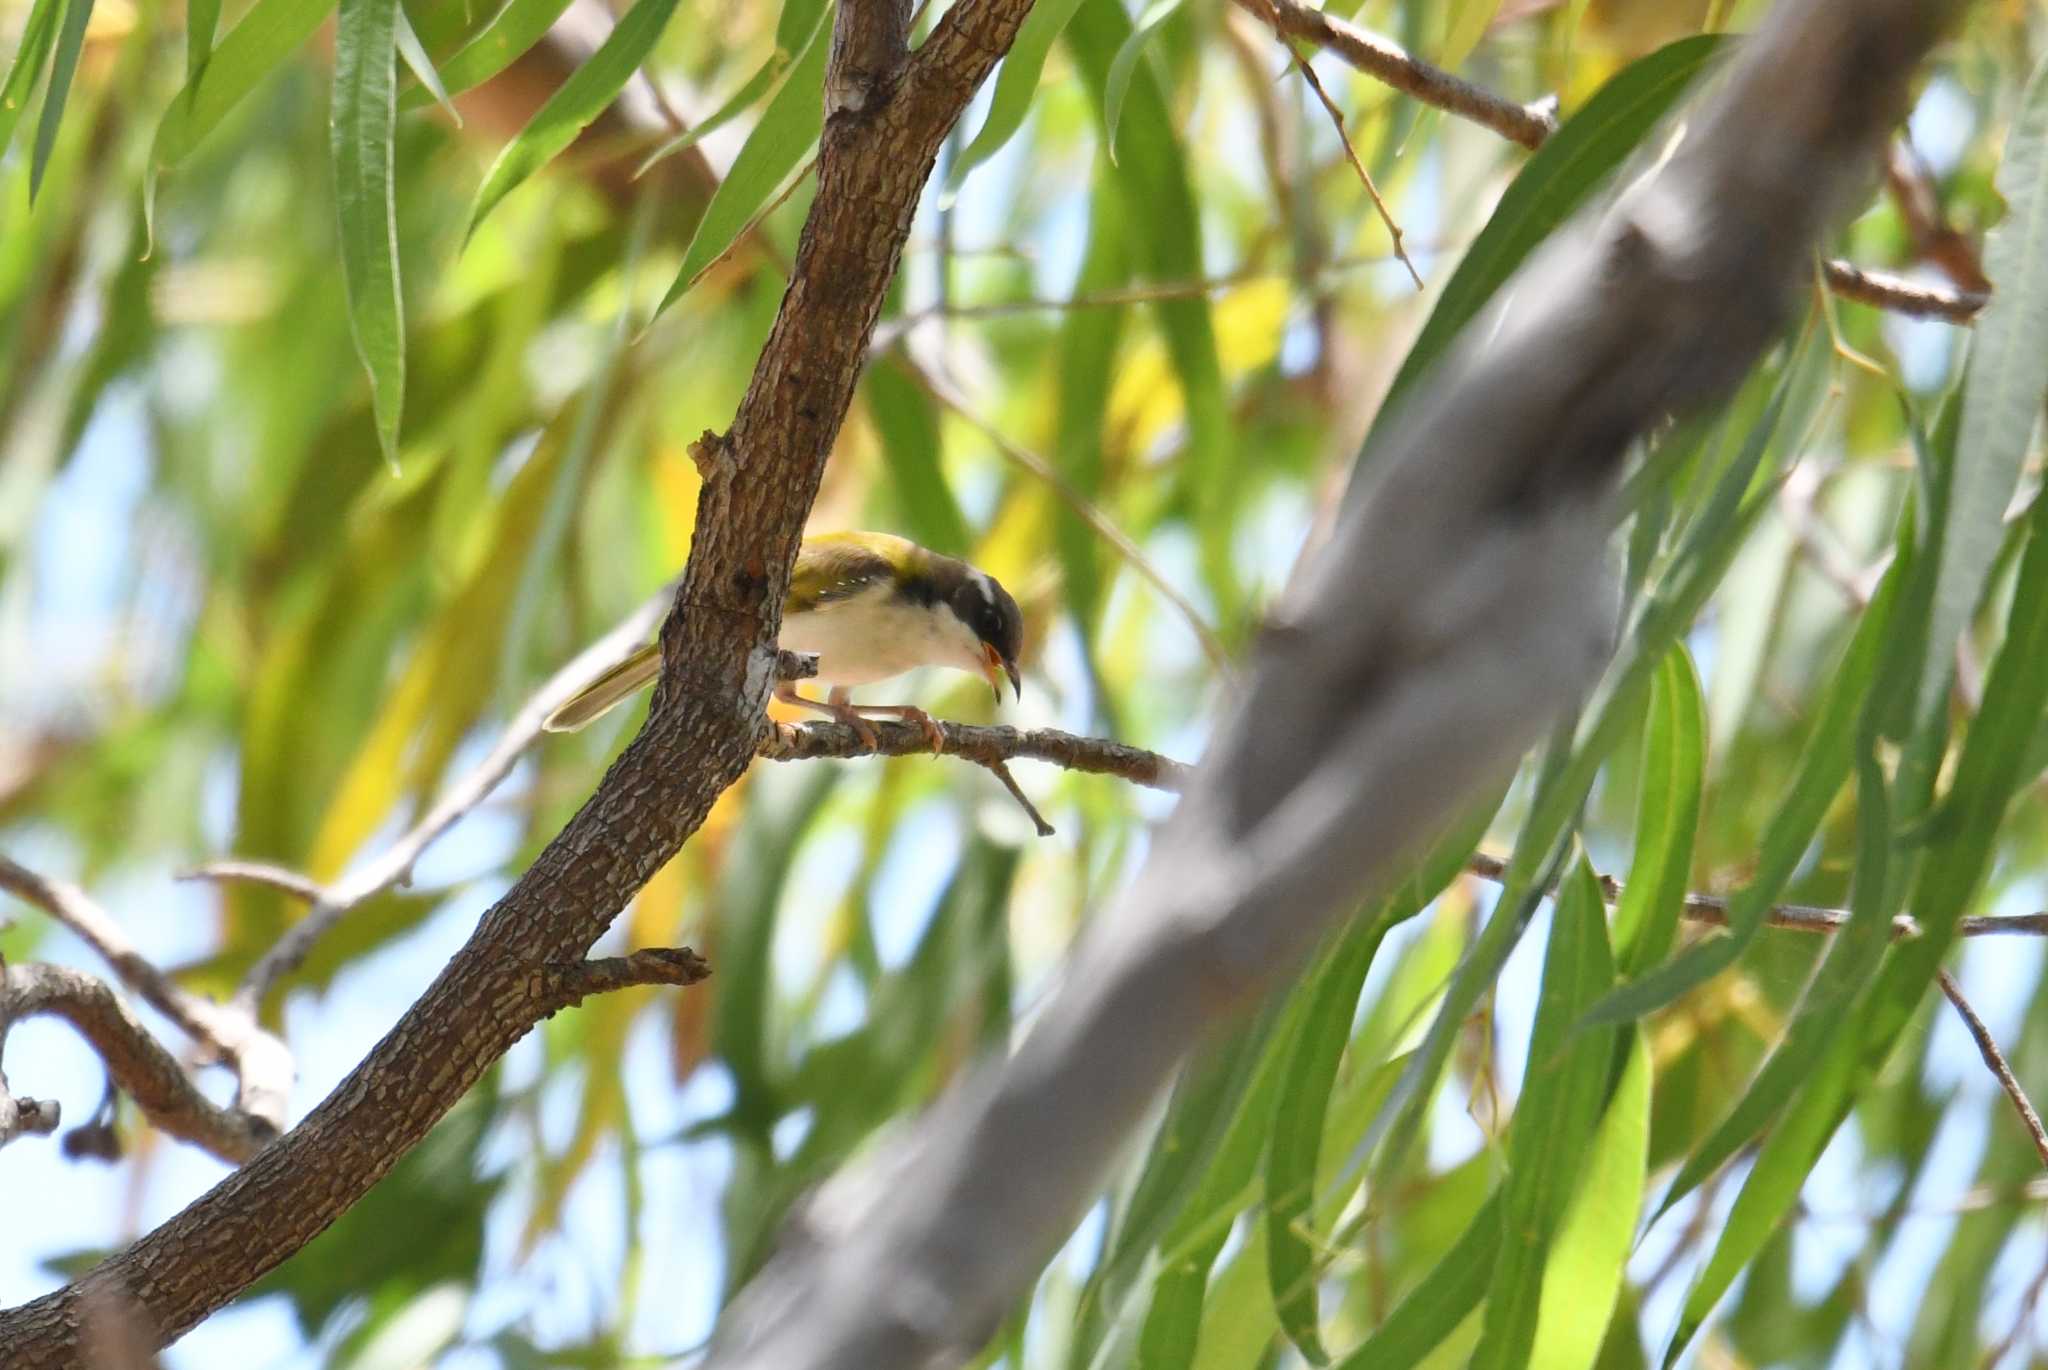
[994,668]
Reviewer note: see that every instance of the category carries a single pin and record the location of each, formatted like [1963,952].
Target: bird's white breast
[877,634]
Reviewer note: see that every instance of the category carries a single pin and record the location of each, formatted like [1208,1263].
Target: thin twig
[1001,771]
[1530,125]
[1885,290]
[1987,1047]
[1084,508]
[984,746]
[1315,83]
[1388,61]
[261,1062]
[1712,909]
[134,1058]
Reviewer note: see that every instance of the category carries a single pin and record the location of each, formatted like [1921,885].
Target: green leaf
[1582,1279]
[511,32]
[1825,762]
[1987,774]
[2002,397]
[70,42]
[1558,178]
[363,132]
[414,54]
[1016,84]
[909,430]
[1190,1247]
[1667,815]
[270,32]
[202,22]
[584,96]
[1555,1118]
[1433,1309]
[785,134]
[1165,235]
[1291,1161]
[1125,61]
[1771,1186]
[1846,970]
[737,104]
[37,31]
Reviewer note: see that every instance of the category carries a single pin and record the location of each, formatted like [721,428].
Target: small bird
[869,606]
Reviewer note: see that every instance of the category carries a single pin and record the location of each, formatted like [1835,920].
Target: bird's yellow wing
[838,566]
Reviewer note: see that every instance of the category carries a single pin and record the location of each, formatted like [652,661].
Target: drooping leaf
[1667,815]
[1559,1110]
[270,32]
[507,37]
[363,131]
[909,431]
[1582,1280]
[1433,1309]
[414,54]
[70,42]
[1125,61]
[2002,397]
[787,129]
[584,96]
[1016,85]
[37,33]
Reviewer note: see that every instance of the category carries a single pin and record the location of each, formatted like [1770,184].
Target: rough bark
[705,726]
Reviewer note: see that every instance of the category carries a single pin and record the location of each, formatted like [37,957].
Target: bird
[869,606]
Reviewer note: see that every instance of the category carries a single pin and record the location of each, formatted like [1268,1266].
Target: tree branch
[261,1062]
[1388,61]
[702,731]
[137,1062]
[567,984]
[1457,609]
[984,746]
[1987,1047]
[1531,125]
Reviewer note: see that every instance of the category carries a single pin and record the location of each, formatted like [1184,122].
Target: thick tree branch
[1459,606]
[261,1062]
[703,730]
[1530,125]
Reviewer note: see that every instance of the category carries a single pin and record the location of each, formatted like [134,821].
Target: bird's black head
[985,606]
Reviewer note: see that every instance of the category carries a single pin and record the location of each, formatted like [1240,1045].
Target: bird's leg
[909,713]
[835,707]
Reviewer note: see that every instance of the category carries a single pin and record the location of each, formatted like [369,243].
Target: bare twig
[1987,1047]
[1884,290]
[984,746]
[1315,83]
[569,983]
[139,1063]
[1530,125]
[1388,61]
[1712,909]
[262,1064]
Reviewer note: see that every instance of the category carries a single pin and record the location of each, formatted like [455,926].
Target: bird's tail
[599,697]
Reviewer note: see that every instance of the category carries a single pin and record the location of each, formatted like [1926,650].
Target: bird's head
[979,601]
